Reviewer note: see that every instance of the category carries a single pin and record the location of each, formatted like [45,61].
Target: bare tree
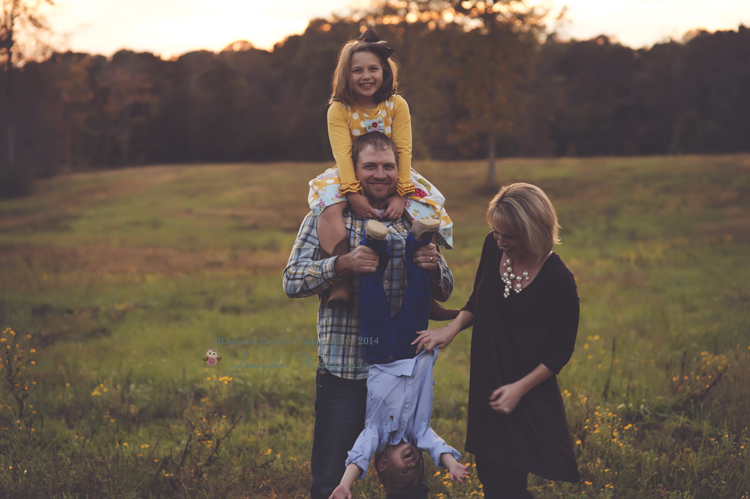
[20,19]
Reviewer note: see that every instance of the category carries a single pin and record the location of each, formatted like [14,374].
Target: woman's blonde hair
[342,91]
[527,213]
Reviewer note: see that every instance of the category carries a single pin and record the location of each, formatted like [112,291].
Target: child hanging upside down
[399,393]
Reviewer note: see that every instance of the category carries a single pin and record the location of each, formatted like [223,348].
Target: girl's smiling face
[365,77]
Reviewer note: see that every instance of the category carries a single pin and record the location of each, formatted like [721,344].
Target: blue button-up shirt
[399,408]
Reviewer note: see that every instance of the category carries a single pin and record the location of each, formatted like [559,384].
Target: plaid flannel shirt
[339,348]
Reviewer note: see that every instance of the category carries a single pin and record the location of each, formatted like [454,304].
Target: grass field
[114,284]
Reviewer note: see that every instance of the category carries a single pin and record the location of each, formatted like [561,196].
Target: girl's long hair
[342,91]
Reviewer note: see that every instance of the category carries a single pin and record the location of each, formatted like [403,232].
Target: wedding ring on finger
[506,410]
[430,259]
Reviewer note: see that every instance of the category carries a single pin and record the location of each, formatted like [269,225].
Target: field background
[114,284]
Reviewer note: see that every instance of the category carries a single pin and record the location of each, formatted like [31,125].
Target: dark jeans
[500,481]
[386,339]
[339,418]
[340,406]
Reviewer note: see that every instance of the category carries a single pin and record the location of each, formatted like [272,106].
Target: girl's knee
[333,212]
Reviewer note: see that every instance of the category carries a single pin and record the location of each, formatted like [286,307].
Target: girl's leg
[333,241]
[331,229]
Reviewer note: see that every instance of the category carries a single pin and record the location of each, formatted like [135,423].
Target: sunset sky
[174,27]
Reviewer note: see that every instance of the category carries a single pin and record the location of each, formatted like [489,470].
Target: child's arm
[456,470]
[401,135]
[341,145]
[361,206]
[395,207]
[343,491]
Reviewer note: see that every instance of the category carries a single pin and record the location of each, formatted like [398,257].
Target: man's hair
[379,141]
[342,90]
[394,483]
[527,213]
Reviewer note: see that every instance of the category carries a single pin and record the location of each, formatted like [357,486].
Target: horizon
[173,28]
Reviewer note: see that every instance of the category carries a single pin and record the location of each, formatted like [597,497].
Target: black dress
[511,337]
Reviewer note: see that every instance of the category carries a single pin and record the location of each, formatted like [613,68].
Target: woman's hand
[506,398]
[440,338]
[395,207]
[361,206]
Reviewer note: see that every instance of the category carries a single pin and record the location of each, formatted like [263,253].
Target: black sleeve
[564,314]
[472,303]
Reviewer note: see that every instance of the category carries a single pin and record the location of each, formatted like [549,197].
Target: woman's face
[509,242]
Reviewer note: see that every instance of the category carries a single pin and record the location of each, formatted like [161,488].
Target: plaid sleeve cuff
[328,271]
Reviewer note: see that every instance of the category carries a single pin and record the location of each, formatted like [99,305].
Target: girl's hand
[458,472]
[440,338]
[506,398]
[395,208]
[361,206]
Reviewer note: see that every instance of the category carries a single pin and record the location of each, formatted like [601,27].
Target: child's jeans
[385,338]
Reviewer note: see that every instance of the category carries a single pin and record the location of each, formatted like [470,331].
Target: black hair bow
[371,37]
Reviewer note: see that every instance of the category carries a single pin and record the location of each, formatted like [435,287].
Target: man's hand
[427,257]
[361,206]
[361,260]
[395,207]
[341,492]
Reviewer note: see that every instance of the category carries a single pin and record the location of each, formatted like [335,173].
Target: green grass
[116,283]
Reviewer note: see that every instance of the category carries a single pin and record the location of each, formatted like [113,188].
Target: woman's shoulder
[556,269]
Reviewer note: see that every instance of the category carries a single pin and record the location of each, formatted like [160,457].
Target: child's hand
[395,207]
[341,492]
[458,472]
[361,206]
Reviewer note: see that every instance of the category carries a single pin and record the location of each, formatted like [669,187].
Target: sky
[172,27]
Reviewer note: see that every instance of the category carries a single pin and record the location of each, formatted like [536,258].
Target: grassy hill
[114,285]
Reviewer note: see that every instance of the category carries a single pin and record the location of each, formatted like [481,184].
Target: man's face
[377,172]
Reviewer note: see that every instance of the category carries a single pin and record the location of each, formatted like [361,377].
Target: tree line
[472,92]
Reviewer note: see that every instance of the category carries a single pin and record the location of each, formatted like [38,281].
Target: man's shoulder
[308,227]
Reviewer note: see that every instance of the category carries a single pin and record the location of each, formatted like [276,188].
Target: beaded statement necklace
[509,277]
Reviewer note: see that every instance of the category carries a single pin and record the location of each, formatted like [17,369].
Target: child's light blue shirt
[399,408]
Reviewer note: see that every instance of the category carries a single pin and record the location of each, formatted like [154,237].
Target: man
[341,392]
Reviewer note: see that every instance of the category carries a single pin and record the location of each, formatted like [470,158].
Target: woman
[524,310]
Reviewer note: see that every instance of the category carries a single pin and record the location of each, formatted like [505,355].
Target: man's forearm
[306,277]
